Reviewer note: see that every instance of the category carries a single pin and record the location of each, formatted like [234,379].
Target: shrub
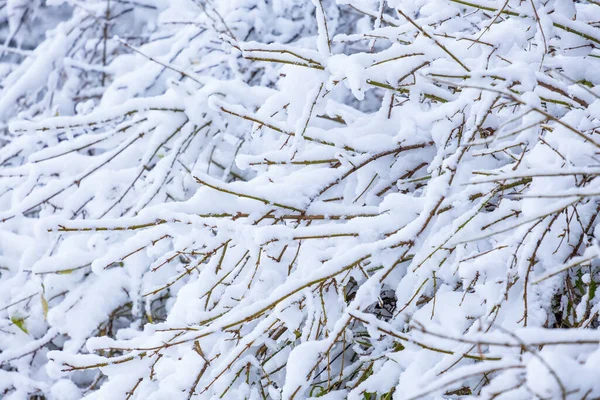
[288,199]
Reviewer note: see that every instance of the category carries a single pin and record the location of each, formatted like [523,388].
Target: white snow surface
[289,199]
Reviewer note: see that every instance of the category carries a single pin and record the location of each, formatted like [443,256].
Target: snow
[277,199]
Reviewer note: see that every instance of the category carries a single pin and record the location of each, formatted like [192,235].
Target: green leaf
[398,346]
[318,391]
[44,303]
[20,323]
[65,271]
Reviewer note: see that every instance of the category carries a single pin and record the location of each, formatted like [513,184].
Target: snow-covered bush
[277,199]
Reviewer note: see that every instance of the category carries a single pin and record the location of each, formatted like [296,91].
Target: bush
[289,199]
